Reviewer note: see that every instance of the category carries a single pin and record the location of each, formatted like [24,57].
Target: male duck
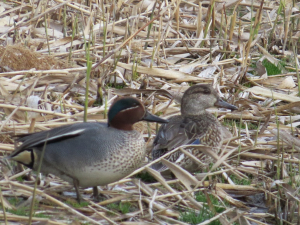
[90,154]
[193,126]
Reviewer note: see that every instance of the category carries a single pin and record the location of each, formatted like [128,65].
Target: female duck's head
[200,97]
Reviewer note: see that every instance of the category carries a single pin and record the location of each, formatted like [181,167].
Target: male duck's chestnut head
[127,111]
[200,97]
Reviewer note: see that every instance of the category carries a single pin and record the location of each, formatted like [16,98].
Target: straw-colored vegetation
[77,55]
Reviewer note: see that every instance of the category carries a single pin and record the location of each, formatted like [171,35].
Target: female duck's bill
[222,104]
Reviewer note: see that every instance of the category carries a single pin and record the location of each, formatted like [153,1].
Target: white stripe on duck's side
[72,133]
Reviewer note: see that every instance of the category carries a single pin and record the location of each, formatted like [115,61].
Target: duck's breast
[122,158]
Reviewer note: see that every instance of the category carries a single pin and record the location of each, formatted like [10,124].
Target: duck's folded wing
[53,135]
[176,133]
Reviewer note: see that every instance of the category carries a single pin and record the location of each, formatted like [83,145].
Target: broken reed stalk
[286,27]
[232,25]
[3,207]
[36,180]
[199,21]
[296,66]
[73,36]
[88,74]
[46,31]
[254,29]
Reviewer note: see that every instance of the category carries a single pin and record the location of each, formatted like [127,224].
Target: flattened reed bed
[46,49]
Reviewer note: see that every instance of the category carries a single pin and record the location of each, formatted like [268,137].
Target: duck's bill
[222,104]
[152,118]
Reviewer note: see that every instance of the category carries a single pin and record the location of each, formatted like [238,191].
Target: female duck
[193,126]
[90,154]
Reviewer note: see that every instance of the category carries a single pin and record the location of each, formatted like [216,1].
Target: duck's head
[126,111]
[200,97]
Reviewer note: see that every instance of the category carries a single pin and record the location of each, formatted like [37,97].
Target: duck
[194,126]
[89,154]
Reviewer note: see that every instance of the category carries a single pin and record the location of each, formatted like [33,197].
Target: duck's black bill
[152,118]
[222,104]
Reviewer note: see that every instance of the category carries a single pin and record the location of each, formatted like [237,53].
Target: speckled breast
[124,157]
[212,138]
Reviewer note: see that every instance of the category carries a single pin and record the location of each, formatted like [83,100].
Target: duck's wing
[185,131]
[57,134]
[179,131]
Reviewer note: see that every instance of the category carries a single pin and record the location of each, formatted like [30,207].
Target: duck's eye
[206,91]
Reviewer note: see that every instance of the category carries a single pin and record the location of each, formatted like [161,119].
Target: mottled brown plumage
[193,126]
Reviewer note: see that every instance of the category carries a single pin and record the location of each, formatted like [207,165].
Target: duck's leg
[76,185]
[96,194]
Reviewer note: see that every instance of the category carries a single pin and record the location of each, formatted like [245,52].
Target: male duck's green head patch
[121,106]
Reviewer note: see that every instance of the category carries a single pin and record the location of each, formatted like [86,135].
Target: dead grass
[48,48]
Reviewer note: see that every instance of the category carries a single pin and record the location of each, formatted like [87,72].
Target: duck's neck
[122,126]
[188,112]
